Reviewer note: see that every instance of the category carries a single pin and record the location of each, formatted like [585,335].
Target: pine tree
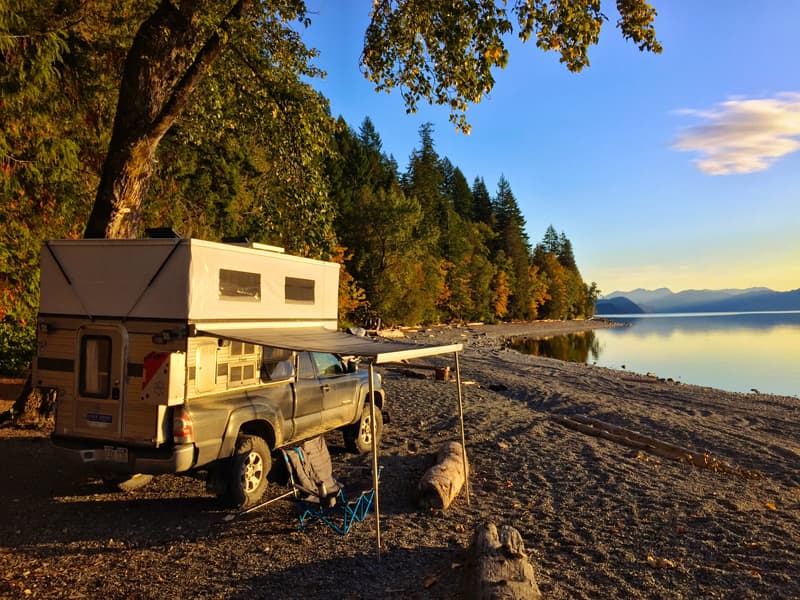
[513,242]
[482,211]
[551,242]
[456,190]
[565,255]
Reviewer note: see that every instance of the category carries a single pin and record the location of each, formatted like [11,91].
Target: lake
[739,352]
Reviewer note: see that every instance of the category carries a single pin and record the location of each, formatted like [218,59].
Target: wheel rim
[252,472]
[366,429]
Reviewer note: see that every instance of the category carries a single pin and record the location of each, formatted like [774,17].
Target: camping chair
[320,497]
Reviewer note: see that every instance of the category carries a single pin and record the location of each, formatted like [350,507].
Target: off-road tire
[358,437]
[247,472]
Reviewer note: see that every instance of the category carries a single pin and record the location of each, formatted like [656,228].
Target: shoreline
[599,517]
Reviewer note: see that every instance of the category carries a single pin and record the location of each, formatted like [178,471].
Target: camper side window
[242,366]
[239,285]
[95,375]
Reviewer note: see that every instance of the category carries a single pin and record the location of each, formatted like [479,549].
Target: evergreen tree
[551,242]
[482,211]
[424,179]
[565,255]
[513,242]
[591,296]
[456,190]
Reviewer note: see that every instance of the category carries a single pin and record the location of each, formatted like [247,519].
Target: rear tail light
[182,426]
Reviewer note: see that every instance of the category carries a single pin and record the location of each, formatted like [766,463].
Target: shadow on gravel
[367,577]
[46,500]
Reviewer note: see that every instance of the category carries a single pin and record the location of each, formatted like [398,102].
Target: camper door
[102,352]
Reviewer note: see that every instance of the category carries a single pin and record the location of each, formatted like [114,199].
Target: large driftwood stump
[498,567]
[441,483]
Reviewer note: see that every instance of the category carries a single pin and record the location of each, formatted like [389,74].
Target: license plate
[116,454]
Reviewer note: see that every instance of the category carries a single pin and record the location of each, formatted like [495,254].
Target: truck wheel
[247,472]
[358,437]
[125,483]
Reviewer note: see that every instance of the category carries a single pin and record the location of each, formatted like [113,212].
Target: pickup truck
[169,355]
[225,437]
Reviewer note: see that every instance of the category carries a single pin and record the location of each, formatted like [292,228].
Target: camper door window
[95,376]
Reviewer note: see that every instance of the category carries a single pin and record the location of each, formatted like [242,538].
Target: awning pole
[375,482]
[461,419]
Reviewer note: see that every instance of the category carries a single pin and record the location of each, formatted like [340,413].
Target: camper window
[242,363]
[239,284]
[95,375]
[298,291]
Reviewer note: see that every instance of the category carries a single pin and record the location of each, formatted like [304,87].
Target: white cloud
[743,136]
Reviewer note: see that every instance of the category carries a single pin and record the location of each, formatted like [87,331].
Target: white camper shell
[187,281]
[187,356]
[141,384]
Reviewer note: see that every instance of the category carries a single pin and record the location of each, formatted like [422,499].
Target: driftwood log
[633,439]
[497,566]
[443,481]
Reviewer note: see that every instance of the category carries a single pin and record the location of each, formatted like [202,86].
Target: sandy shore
[600,519]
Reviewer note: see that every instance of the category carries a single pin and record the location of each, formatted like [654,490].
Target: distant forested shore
[698,301]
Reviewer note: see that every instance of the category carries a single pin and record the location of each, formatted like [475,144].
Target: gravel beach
[602,514]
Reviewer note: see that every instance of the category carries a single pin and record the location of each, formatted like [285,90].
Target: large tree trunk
[167,60]
[34,407]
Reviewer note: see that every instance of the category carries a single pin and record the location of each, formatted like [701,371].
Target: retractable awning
[319,339]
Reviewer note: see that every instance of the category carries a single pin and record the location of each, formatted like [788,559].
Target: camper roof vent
[267,247]
[162,233]
[243,241]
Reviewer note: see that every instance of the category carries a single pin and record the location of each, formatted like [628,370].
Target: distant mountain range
[663,300]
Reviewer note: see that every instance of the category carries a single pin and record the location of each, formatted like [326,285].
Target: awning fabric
[318,339]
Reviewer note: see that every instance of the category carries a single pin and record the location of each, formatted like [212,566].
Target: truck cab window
[328,365]
[276,364]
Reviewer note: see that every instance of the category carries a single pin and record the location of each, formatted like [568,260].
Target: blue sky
[678,170]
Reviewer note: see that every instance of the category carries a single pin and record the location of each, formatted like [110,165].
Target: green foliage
[567,296]
[445,54]
[59,68]
[256,153]
[17,346]
[591,295]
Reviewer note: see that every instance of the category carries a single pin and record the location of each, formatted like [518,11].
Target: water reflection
[738,352]
[573,347]
[669,324]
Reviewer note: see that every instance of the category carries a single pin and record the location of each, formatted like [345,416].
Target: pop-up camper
[181,355]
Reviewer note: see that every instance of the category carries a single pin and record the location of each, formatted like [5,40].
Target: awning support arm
[375,482]
[461,420]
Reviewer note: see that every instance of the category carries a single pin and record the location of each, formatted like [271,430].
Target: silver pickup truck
[168,355]
[259,400]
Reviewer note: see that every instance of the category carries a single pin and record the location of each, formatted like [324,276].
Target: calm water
[732,351]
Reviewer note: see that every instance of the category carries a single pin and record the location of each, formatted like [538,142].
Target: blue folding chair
[320,497]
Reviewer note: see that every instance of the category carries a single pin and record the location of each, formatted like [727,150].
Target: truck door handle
[325,387]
